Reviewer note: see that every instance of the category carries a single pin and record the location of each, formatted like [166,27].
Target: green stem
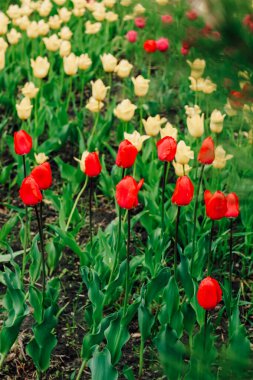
[127,264]
[90,209]
[163,194]
[81,370]
[210,249]
[43,260]
[230,265]
[26,227]
[205,329]
[176,240]
[195,216]
[75,204]
[94,128]
[141,357]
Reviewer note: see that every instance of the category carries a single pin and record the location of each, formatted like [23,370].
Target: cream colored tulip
[111,16]
[14,11]
[184,153]
[2,60]
[92,28]
[40,67]
[64,14]
[123,68]
[180,169]
[65,33]
[153,124]
[70,64]
[59,2]
[244,78]
[4,21]
[141,86]
[195,125]
[40,158]
[43,28]
[29,90]
[94,106]
[65,48]
[197,84]
[32,30]
[45,8]
[26,10]
[24,108]
[22,22]
[84,62]
[109,3]
[54,22]
[128,17]
[216,121]
[139,9]
[169,131]
[125,110]
[99,14]
[230,111]
[221,158]
[78,12]
[79,3]
[125,3]
[197,68]
[82,161]
[109,62]
[191,111]
[99,90]
[136,139]
[209,87]
[162,2]
[52,43]
[3,45]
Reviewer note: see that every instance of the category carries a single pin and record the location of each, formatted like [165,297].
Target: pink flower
[162,44]
[184,51]
[132,36]
[140,22]
[167,19]
[191,15]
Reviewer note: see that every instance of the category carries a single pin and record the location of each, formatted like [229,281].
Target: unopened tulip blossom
[221,158]
[24,108]
[216,121]
[125,110]
[153,124]
[136,139]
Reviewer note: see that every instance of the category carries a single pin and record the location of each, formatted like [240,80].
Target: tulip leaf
[101,366]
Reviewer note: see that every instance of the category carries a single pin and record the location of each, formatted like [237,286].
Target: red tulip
[43,175]
[162,44]
[92,165]
[140,22]
[167,19]
[30,192]
[191,15]
[232,206]
[216,204]
[149,46]
[126,154]
[166,148]
[183,192]
[127,192]
[206,154]
[209,293]
[22,142]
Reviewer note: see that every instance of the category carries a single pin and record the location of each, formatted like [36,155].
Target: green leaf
[101,367]
[116,336]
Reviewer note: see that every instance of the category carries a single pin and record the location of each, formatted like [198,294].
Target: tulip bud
[131,36]
[216,122]
[209,293]
[153,124]
[183,192]
[99,90]
[40,67]
[162,44]
[150,46]
[232,206]
[94,105]
[123,68]
[90,164]
[126,155]
[181,170]
[197,68]
[70,64]
[140,22]
[216,204]
[127,192]
[29,90]
[84,62]
[43,175]
[184,153]
[141,85]
[206,154]
[40,158]
[125,110]
[195,125]
[22,142]
[109,62]
[136,139]
[24,108]
[166,149]
[30,192]
[167,19]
